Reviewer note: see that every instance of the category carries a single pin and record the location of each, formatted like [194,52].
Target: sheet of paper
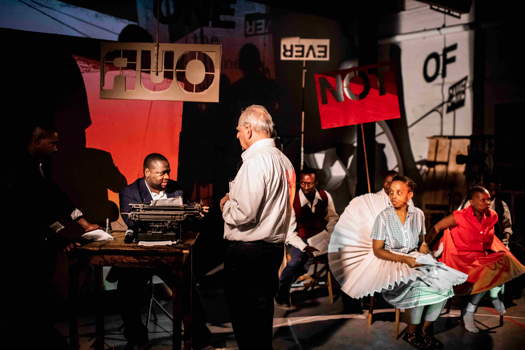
[320,241]
[426,259]
[154,243]
[175,201]
[97,235]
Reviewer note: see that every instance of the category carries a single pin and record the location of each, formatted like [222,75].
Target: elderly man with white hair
[258,218]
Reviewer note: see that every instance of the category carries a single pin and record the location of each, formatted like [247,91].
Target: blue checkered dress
[404,238]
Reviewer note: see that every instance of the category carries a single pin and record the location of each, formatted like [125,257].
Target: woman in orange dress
[469,245]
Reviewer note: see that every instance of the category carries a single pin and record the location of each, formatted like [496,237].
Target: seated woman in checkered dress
[398,236]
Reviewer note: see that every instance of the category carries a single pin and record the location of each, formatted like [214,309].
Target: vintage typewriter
[161,220]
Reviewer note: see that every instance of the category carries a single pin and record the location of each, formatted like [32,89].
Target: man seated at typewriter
[132,282]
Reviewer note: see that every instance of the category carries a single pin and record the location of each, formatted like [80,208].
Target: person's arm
[86,225]
[126,198]
[441,225]
[243,202]
[423,246]
[294,240]
[331,214]
[506,222]
[381,253]
[378,236]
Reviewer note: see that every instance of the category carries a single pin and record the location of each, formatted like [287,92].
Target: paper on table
[97,235]
[154,243]
[320,241]
[175,201]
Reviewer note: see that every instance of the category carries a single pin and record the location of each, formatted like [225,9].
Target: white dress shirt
[261,196]
[154,195]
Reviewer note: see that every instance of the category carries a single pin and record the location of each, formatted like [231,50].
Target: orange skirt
[485,269]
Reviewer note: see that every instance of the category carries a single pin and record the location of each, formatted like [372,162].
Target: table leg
[177,316]
[183,296]
[74,343]
[99,318]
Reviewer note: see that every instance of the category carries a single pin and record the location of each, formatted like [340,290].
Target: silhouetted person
[254,87]
[134,33]
[42,222]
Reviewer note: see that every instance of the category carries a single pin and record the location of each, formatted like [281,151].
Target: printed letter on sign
[358,95]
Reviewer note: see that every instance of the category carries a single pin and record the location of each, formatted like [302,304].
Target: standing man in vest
[315,214]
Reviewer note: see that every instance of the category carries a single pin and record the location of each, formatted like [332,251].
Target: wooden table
[117,253]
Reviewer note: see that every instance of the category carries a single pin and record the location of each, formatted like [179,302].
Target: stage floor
[316,324]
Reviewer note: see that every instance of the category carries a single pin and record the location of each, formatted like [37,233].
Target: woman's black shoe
[414,340]
[431,342]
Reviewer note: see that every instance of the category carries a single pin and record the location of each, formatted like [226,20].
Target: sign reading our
[173,72]
[357,95]
[297,49]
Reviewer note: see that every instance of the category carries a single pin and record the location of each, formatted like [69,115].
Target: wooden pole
[303,83]
[366,158]
[370,317]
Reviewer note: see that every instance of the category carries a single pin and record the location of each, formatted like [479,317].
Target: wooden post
[303,83]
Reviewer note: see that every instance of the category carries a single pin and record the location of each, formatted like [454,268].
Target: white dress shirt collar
[303,200]
[256,146]
[155,195]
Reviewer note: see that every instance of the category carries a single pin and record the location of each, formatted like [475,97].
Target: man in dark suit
[156,184]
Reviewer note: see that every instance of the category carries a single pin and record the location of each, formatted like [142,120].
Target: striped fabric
[415,293]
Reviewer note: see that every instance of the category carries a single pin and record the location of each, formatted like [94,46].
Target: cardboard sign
[172,72]
[297,49]
[358,95]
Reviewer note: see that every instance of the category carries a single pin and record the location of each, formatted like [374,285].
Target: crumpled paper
[97,235]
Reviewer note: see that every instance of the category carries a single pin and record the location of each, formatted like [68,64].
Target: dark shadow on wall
[399,129]
[209,152]
[47,85]
[44,84]
[207,161]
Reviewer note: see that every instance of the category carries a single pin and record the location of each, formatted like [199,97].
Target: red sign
[357,95]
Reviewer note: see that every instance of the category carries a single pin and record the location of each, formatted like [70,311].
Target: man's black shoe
[283,304]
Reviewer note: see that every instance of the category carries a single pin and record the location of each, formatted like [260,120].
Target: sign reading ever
[149,71]
[299,49]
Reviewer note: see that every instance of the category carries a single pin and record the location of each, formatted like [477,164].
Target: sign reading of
[357,95]
[297,49]
[173,72]
[435,60]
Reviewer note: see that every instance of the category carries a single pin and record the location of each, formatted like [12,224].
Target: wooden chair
[371,315]
[321,276]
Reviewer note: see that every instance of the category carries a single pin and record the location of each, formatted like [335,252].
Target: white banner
[297,49]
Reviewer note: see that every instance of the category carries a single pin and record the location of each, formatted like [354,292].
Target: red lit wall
[130,129]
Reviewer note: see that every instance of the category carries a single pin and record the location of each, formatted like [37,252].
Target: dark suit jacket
[137,192]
